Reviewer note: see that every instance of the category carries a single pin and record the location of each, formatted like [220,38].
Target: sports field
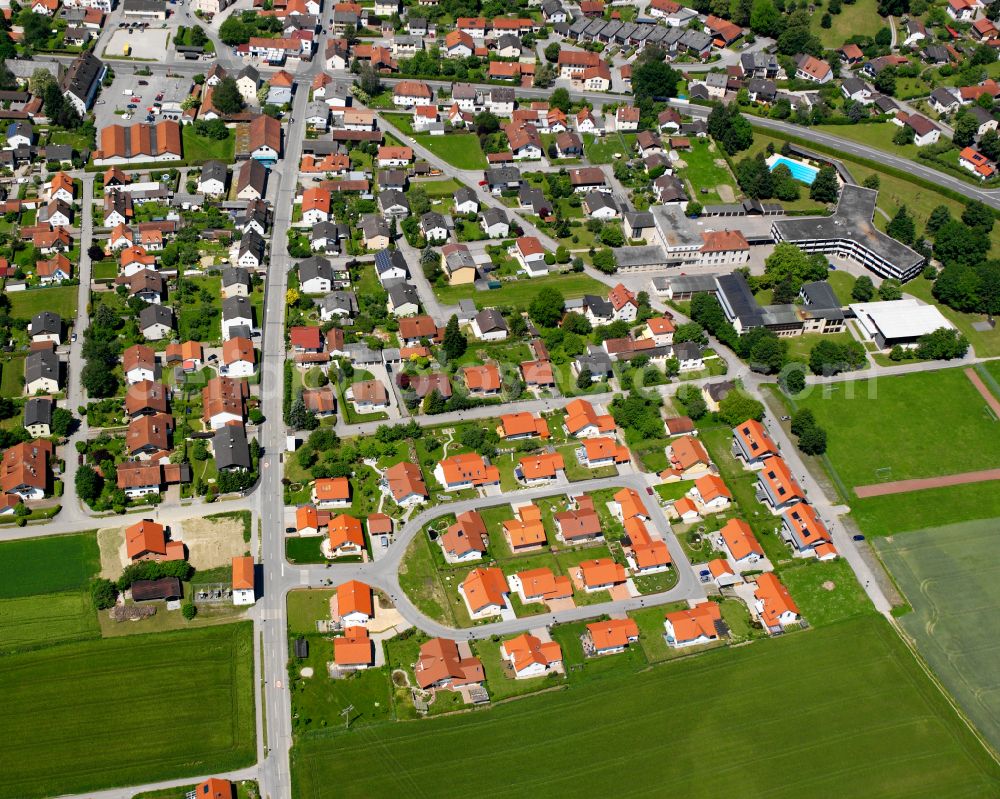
[99,714]
[47,565]
[923,424]
[838,711]
[953,586]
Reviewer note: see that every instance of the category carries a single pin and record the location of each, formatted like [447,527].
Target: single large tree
[825,188]
[547,307]
[226,97]
[454,343]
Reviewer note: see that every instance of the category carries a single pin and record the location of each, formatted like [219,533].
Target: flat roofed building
[898,321]
[850,233]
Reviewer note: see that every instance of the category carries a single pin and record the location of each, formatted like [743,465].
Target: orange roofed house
[214,788]
[345,537]
[526,532]
[804,529]
[601,574]
[628,504]
[466,539]
[354,604]
[332,492]
[540,585]
[773,604]
[482,381]
[583,421]
[466,471]
[701,624]
[243,581]
[147,540]
[648,555]
[710,494]
[406,483]
[514,426]
[777,487]
[485,593]
[25,469]
[542,468]
[530,656]
[741,544]
[353,650]
[752,443]
[688,459]
[442,664]
[603,451]
[610,637]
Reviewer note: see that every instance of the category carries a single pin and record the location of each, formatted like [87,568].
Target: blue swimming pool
[801,172]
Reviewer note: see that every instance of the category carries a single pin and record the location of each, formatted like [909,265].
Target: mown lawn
[873,725]
[521,291]
[858,19]
[985,343]
[48,565]
[306,607]
[61,299]
[198,149]
[461,150]
[602,149]
[879,430]
[131,710]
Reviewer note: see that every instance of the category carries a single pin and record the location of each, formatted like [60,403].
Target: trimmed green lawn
[29,622]
[826,592]
[702,172]
[48,565]
[61,299]
[306,607]
[858,19]
[304,550]
[917,746]
[897,513]
[461,150]
[198,149]
[923,424]
[520,292]
[602,149]
[799,347]
[183,700]
[12,376]
[318,701]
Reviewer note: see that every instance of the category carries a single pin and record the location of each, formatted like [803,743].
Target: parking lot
[174,91]
[139,44]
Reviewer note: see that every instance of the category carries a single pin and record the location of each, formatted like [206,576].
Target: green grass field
[37,621]
[955,595]
[916,425]
[461,150]
[61,299]
[139,709]
[12,376]
[198,149]
[47,565]
[859,19]
[602,149]
[985,343]
[933,507]
[702,172]
[868,722]
[520,292]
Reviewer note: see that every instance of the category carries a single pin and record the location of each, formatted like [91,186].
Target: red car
[136,99]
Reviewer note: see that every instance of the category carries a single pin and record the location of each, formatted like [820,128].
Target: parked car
[144,83]
[858,537]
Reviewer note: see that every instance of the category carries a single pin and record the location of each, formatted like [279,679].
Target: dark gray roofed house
[597,361]
[46,323]
[490,320]
[236,277]
[231,449]
[153,315]
[81,81]
[315,268]
[251,246]
[38,416]
[503,177]
[42,365]
[338,304]
[401,294]
[251,180]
